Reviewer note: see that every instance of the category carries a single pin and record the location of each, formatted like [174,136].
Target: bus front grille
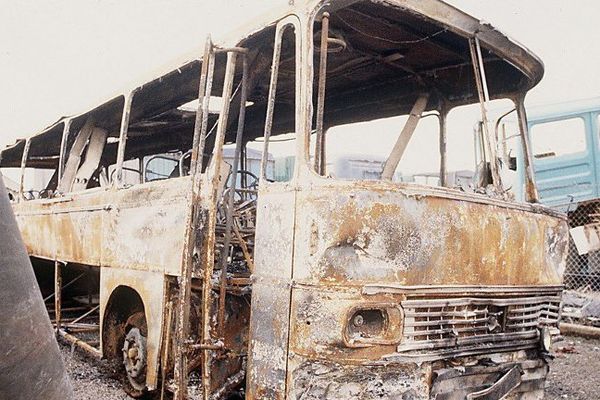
[469,323]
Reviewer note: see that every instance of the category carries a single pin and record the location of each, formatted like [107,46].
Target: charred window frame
[490,145]
[322,48]
[289,24]
[41,153]
[88,147]
[470,49]
[499,135]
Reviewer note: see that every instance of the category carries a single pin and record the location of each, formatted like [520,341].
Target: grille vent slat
[448,323]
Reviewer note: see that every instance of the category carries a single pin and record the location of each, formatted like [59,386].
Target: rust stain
[429,241]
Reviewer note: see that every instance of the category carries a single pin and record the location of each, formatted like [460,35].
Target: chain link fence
[581,300]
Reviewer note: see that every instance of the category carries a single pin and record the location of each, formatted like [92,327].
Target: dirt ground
[574,373]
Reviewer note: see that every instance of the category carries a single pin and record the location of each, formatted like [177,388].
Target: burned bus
[208,280]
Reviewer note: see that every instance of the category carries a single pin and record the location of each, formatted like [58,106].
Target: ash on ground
[574,373]
[91,379]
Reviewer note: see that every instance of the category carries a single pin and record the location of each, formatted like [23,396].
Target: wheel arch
[122,293]
[124,301]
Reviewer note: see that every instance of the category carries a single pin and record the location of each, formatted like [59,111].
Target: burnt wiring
[414,41]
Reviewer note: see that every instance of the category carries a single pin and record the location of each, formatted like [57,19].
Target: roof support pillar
[123,138]
[484,98]
[531,193]
[23,165]
[62,158]
[409,128]
[443,118]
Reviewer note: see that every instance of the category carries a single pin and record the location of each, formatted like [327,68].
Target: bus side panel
[269,320]
[68,228]
[79,236]
[141,227]
[37,227]
[145,227]
[386,235]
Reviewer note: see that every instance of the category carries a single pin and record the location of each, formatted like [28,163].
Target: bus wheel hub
[134,358]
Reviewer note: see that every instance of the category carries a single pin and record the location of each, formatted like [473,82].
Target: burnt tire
[135,352]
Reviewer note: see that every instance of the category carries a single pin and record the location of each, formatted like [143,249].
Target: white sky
[60,57]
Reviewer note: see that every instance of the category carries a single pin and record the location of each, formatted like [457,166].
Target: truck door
[564,160]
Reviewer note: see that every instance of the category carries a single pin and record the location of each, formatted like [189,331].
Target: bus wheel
[134,355]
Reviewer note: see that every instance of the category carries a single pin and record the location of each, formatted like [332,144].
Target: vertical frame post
[23,165]
[320,141]
[443,120]
[194,226]
[484,98]
[123,138]
[271,101]
[207,345]
[230,197]
[302,148]
[204,93]
[57,294]
[62,158]
[531,192]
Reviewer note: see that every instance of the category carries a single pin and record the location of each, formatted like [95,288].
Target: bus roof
[427,36]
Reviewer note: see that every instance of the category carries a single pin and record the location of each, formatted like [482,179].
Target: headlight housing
[373,324]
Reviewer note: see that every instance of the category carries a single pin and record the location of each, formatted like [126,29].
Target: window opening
[282,98]
[558,138]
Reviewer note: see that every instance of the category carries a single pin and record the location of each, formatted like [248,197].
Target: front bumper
[512,380]
[499,376]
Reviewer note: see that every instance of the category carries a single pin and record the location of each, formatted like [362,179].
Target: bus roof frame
[434,11]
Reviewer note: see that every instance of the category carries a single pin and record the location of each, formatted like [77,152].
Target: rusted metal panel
[269,324]
[78,227]
[371,232]
[324,364]
[37,232]
[74,221]
[135,228]
[151,288]
[320,379]
[145,227]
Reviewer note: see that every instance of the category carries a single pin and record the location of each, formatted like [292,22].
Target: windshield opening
[385,87]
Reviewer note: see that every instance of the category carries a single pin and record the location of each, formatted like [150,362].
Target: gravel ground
[91,379]
[574,373]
